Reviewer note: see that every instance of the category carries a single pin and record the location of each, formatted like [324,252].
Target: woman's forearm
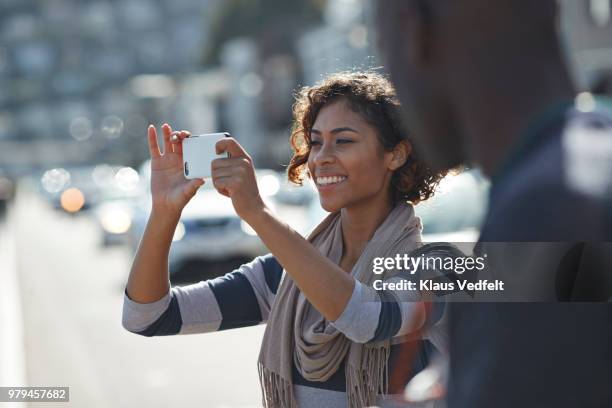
[327,286]
[149,279]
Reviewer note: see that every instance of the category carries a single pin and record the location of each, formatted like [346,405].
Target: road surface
[71,292]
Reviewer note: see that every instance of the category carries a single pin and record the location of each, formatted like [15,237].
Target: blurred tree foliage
[273,24]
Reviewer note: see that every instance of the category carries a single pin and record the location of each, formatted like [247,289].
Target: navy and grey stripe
[390,319]
[168,323]
[245,296]
[191,309]
[237,301]
[273,271]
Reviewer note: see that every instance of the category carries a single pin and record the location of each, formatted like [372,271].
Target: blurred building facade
[81,79]
[343,43]
[67,70]
[264,83]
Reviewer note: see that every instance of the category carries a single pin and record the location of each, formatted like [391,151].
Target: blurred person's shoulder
[559,187]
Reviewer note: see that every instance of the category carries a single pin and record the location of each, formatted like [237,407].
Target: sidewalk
[12,349]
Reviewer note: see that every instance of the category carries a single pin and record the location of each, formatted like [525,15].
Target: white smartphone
[198,154]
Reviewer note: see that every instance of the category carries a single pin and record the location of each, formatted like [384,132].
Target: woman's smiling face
[346,160]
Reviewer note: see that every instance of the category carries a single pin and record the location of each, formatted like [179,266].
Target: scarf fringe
[365,383]
[276,392]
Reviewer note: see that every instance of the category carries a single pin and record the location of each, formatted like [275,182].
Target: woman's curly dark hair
[372,96]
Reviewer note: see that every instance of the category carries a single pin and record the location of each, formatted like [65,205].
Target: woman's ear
[401,152]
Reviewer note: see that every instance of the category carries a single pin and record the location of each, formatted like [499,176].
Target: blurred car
[72,189]
[210,230]
[114,214]
[210,238]
[83,188]
[291,194]
[454,214]
[120,190]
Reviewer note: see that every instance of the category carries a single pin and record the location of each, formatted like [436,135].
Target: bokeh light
[72,200]
[116,221]
[585,102]
[112,127]
[103,175]
[268,185]
[81,128]
[127,179]
[55,180]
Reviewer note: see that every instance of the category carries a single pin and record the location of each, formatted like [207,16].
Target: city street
[480,144]
[71,292]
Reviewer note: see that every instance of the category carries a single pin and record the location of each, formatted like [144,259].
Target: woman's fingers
[152,139]
[178,146]
[192,187]
[231,146]
[167,132]
[176,138]
[177,135]
[223,184]
[230,163]
[229,173]
[169,144]
[175,142]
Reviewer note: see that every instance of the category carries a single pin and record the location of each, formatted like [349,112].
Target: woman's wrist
[164,216]
[257,216]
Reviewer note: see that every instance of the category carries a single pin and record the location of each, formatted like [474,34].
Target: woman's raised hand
[234,177]
[170,190]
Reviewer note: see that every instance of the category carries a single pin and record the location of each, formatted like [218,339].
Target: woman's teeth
[324,181]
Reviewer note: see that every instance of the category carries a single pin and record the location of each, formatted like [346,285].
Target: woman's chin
[329,206]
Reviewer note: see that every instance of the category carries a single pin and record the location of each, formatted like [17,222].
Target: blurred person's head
[470,73]
[349,138]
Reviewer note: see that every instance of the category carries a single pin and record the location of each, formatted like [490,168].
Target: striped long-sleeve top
[245,296]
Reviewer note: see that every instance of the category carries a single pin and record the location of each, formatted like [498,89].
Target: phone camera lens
[186,169]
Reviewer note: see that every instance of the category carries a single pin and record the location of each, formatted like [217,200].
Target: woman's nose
[324,155]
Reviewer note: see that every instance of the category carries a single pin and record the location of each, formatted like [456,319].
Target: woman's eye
[338,141]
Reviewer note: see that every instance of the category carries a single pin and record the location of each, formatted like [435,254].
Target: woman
[329,333]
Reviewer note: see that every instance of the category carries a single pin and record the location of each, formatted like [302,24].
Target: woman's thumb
[194,185]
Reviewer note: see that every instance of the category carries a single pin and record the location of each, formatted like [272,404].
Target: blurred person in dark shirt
[486,83]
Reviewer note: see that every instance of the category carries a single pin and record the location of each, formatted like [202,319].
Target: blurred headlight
[179,232]
[116,221]
[72,200]
[246,228]
[268,185]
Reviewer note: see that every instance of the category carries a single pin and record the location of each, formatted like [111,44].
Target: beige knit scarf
[298,334]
